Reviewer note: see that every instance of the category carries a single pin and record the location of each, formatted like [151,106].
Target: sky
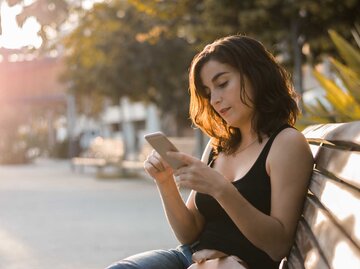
[14,37]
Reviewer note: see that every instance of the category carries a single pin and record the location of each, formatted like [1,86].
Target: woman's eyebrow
[218,75]
[215,78]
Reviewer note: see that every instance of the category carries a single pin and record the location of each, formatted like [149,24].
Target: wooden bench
[328,234]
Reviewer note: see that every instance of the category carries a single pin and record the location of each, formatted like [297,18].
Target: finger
[164,163]
[152,161]
[184,181]
[184,177]
[183,157]
[193,169]
[150,169]
[158,162]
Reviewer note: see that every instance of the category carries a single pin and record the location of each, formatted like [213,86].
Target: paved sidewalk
[53,218]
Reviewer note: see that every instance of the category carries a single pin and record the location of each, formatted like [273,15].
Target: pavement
[51,217]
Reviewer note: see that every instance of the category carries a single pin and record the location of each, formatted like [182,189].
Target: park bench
[101,153]
[328,234]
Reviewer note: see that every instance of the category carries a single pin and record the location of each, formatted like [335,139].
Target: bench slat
[338,249]
[308,248]
[335,132]
[328,236]
[340,163]
[320,130]
[295,260]
[342,202]
[314,149]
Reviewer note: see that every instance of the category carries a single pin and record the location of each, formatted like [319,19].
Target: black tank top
[221,233]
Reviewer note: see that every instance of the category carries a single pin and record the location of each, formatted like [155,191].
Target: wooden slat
[314,149]
[320,130]
[342,164]
[342,202]
[339,251]
[335,132]
[329,234]
[308,248]
[294,260]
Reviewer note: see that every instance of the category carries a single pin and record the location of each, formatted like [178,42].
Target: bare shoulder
[290,146]
[290,139]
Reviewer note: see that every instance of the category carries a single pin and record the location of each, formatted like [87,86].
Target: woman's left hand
[197,176]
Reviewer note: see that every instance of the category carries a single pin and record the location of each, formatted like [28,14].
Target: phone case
[162,144]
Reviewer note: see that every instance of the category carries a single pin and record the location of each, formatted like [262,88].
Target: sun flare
[14,37]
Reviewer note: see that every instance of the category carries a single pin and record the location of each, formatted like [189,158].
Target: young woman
[246,201]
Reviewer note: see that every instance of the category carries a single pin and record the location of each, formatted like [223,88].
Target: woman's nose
[215,98]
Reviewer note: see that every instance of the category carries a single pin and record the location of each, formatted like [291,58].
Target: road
[53,218]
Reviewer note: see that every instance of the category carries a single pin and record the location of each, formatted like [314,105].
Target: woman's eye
[222,85]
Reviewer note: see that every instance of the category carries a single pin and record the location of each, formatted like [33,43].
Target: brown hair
[274,99]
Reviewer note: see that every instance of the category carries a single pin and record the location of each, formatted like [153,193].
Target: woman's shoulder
[290,134]
[290,150]
[290,141]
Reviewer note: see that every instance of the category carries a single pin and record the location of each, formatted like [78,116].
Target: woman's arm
[184,219]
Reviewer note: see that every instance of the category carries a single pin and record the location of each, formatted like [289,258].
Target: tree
[283,25]
[116,51]
[142,49]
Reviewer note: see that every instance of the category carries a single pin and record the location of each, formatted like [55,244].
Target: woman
[247,201]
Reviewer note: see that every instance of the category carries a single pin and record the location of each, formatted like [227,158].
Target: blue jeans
[179,258]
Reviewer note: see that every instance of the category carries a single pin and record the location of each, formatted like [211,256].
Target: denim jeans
[179,258]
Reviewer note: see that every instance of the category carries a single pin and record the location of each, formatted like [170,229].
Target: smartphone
[162,144]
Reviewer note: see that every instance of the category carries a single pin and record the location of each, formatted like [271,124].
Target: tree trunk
[298,76]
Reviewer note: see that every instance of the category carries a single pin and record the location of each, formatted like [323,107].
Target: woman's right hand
[157,168]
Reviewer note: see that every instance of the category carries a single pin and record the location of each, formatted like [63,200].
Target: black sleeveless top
[220,232]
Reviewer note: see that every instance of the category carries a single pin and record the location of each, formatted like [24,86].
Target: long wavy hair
[274,99]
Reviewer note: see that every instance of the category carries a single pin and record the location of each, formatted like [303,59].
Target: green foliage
[142,49]
[118,51]
[344,97]
[271,21]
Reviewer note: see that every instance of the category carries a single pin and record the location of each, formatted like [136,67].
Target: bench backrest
[328,235]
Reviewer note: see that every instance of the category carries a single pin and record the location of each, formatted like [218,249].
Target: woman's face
[222,84]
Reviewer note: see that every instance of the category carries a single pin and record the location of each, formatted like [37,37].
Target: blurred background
[81,82]
[72,71]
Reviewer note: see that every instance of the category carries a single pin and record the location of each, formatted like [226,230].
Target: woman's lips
[224,110]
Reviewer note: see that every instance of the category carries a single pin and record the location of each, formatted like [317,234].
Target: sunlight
[343,203]
[345,255]
[88,4]
[320,218]
[312,259]
[14,37]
